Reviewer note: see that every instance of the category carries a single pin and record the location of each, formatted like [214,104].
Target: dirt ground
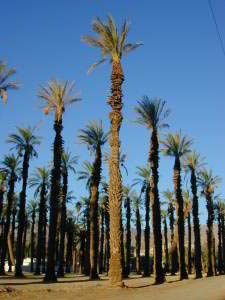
[137,288]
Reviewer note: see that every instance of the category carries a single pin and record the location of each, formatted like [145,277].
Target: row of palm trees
[152,113]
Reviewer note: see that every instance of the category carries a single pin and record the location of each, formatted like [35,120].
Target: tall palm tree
[57,96]
[24,142]
[40,181]
[144,180]
[32,210]
[10,166]
[5,84]
[193,163]
[177,146]
[68,162]
[94,137]
[169,196]
[208,183]
[113,45]
[187,215]
[152,113]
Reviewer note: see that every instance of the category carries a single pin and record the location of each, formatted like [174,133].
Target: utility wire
[217,27]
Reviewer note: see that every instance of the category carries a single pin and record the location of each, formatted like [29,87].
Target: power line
[217,26]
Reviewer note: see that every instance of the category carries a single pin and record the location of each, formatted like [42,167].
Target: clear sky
[181,61]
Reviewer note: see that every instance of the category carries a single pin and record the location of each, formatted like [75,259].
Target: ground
[137,288]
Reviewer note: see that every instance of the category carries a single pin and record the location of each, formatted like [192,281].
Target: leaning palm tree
[40,181]
[5,84]
[94,137]
[32,210]
[57,96]
[10,166]
[208,183]
[24,142]
[152,113]
[68,162]
[192,164]
[113,45]
[176,145]
[144,180]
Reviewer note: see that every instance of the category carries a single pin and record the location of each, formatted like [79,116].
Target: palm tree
[219,207]
[144,179]
[187,215]
[169,196]
[136,202]
[152,114]
[94,137]
[178,146]
[24,142]
[32,210]
[10,166]
[57,95]
[208,183]
[40,181]
[193,163]
[2,189]
[166,248]
[5,84]
[68,162]
[113,45]
[14,213]
[102,211]
[107,225]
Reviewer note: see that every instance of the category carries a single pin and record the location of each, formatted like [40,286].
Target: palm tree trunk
[82,256]
[173,244]
[21,218]
[223,241]
[41,220]
[180,218]
[128,237]
[166,249]
[107,243]
[94,229]
[50,275]
[197,238]
[69,247]
[220,258]
[25,238]
[43,253]
[87,245]
[211,260]
[63,226]
[122,251]
[101,252]
[147,232]
[12,236]
[2,192]
[138,242]
[156,211]
[32,241]
[10,195]
[115,183]
[189,244]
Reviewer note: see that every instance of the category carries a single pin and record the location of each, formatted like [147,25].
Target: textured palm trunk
[138,241]
[87,245]
[223,240]
[122,251]
[211,261]
[220,257]
[10,195]
[25,238]
[115,183]
[173,244]
[2,192]
[189,244]
[147,232]
[107,243]
[32,241]
[13,236]
[21,218]
[197,237]
[101,250]
[82,253]
[155,207]
[43,253]
[94,229]
[166,248]
[69,247]
[50,275]
[128,237]
[63,226]
[180,218]
[41,220]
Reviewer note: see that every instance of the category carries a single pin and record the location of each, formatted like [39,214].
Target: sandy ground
[137,288]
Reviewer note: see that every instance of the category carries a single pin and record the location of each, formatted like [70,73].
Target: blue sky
[181,61]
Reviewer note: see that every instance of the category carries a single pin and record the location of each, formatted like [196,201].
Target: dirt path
[79,288]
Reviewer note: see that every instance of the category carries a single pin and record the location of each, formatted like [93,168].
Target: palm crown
[143,176]
[86,173]
[57,94]
[5,84]
[176,145]
[112,43]
[152,113]
[11,164]
[208,181]
[169,196]
[40,177]
[93,135]
[24,141]
[68,162]
[193,161]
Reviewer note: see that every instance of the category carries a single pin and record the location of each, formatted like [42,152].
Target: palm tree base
[50,278]
[160,280]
